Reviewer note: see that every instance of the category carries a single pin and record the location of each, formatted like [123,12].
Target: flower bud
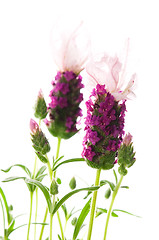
[126,155]
[54,187]
[72,183]
[108,193]
[40,142]
[74,221]
[40,106]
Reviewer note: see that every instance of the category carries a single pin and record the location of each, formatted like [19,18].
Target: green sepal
[122,170]
[104,161]
[58,129]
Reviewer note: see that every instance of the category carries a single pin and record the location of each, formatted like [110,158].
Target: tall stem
[58,147]
[44,221]
[50,175]
[61,228]
[36,206]
[93,205]
[30,214]
[111,205]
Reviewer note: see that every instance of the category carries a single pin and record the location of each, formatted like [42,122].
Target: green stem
[51,174]
[30,214]
[111,205]
[51,219]
[34,172]
[58,147]
[50,170]
[36,212]
[93,205]
[44,221]
[60,224]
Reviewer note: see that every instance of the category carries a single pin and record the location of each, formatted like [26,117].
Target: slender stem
[51,174]
[58,147]
[34,172]
[51,219]
[111,205]
[61,228]
[30,214]
[50,170]
[44,221]
[36,212]
[93,205]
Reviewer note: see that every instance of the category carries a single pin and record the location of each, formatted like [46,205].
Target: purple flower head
[104,125]
[64,106]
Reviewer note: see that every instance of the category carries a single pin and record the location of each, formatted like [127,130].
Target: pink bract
[33,126]
[108,70]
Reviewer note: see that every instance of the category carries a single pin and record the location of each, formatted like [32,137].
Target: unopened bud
[126,155]
[72,183]
[74,221]
[40,106]
[34,127]
[107,193]
[40,142]
[54,187]
[127,139]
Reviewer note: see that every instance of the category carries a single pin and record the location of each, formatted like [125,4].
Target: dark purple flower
[64,106]
[104,128]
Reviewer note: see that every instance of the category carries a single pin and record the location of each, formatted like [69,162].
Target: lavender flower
[64,106]
[70,56]
[104,128]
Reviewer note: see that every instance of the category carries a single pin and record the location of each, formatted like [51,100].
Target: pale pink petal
[104,70]
[70,47]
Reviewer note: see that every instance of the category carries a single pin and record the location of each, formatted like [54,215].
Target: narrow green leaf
[64,210]
[114,214]
[11,226]
[10,179]
[81,219]
[43,189]
[41,177]
[59,237]
[5,204]
[69,161]
[18,165]
[124,187]
[58,160]
[119,210]
[101,211]
[68,195]
[40,171]
[103,182]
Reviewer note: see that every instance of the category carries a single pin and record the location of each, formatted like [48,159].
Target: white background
[26,65]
